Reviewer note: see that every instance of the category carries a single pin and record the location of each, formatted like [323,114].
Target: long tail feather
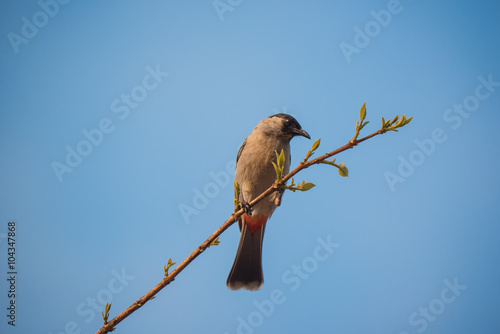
[246,272]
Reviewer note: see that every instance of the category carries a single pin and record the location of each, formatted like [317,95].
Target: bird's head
[282,125]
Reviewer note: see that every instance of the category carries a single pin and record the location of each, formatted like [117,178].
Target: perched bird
[255,174]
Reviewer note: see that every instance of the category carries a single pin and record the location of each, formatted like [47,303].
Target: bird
[254,174]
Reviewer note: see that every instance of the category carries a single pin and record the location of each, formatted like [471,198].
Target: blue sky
[117,116]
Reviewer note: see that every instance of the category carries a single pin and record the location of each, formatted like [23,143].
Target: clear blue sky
[117,115]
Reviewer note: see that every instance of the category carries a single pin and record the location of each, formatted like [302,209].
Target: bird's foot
[246,208]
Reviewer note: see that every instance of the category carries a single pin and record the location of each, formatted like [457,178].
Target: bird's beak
[302,133]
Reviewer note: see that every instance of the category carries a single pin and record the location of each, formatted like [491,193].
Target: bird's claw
[246,208]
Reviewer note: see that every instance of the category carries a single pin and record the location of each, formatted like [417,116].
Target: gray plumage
[255,173]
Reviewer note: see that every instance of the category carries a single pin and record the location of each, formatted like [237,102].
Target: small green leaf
[169,264]
[313,148]
[215,242]
[315,145]
[278,171]
[105,315]
[307,186]
[303,186]
[362,112]
[281,159]
[401,121]
[279,165]
[343,171]
[236,196]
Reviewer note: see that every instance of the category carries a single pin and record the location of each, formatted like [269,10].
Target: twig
[169,277]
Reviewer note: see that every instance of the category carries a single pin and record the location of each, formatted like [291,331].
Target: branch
[169,277]
[280,183]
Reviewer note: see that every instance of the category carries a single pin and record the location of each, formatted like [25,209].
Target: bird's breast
[255,172]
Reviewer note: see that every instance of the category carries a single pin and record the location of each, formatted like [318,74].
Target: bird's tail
[246,272]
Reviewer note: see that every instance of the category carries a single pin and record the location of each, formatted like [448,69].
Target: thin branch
[109,326]
[170,277]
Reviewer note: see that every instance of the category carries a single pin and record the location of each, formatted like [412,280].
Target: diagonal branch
[109,326]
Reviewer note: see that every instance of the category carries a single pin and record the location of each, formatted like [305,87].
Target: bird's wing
[241,150]
[238,158]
